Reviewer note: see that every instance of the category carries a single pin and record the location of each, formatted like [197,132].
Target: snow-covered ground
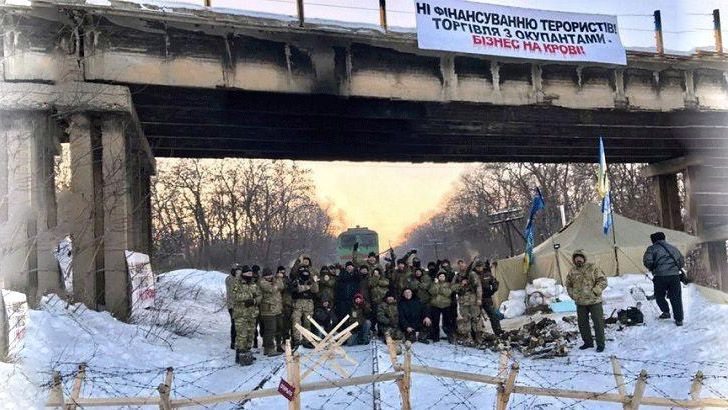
[130,360]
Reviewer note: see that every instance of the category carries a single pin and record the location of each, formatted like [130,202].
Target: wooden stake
[619,378]
[297,382]
[407,379]
[403,394]
[299,9]
[697,386]
[502,363]
[383,14]
[639,390]
[505,389]
[77,385]
[165,389]
[55,398]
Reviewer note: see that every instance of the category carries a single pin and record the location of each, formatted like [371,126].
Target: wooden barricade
[401,374]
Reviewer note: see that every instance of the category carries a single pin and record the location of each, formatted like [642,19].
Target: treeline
[463,227]
[211,213]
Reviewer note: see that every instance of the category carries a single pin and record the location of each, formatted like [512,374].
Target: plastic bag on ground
[512,308]
[544,282]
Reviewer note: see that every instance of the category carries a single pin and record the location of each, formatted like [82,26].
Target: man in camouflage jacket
[585,284]
[246,299]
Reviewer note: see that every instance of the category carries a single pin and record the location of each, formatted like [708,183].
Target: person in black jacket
[346,286]
[325,316]
[490,287]
[414,320]
[665,262]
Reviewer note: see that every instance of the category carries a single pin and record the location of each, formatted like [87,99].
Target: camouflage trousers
[245,327]
[302,308]
[470,323]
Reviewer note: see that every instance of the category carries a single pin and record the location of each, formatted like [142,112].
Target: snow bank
[124,361]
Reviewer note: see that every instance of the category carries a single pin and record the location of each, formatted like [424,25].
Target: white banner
[478,28]
[15,317]
[141,279]
[64,256]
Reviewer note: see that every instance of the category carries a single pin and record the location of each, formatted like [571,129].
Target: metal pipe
[716,32]
[383,14]
[658,33]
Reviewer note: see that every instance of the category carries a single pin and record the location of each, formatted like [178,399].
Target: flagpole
[614,230]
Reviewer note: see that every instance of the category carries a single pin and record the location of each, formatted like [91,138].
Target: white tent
[585,232]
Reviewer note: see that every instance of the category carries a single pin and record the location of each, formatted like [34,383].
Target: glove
[249,303]
[597,291]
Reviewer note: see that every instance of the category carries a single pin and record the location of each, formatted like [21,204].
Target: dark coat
[346,286]
[326,318]
[658,260]
[411,313]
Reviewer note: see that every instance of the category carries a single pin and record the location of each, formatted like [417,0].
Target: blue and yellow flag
[603,189]
[530,233]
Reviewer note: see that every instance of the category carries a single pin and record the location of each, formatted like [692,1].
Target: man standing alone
[665,262]
[585,284]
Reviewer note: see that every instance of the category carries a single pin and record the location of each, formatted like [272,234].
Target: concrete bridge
[125,84]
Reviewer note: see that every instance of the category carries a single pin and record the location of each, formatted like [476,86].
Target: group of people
[403,300]
[408,301]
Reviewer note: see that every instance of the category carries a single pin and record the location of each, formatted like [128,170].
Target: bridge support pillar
[86,221]
[111,183]
[706,195]
[668,201]
[28,144]
[119,216]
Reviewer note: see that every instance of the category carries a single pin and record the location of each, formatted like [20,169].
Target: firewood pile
[536,339]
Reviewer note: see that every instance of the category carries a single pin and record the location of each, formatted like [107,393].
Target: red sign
[286,390]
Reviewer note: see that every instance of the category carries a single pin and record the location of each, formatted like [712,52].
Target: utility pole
[507,218]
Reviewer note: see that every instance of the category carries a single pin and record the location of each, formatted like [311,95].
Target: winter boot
[664,315]
[422,338]
[237,356]
[246,358]
[678,323]
[600,349]
[586,346]
[279,348]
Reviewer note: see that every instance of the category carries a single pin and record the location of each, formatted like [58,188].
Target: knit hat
[281,268]
[372,255]
[267,272]
[657,236]
[245,269]
[349,263]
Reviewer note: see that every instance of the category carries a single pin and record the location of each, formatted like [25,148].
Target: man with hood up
[360,311]
[585,284]
[414,319]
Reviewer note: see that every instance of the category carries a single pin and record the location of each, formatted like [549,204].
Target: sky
[391,197]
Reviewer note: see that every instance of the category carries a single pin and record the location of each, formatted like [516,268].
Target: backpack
[630,316]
